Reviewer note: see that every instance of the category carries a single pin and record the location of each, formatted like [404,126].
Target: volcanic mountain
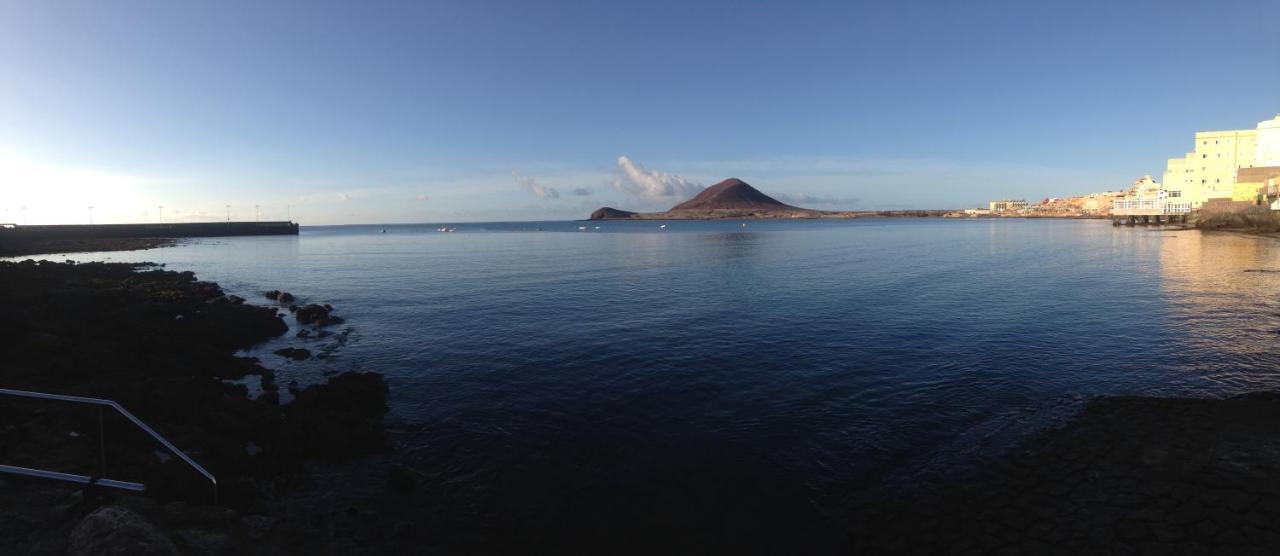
[733,194]
[731,198]
[610,213]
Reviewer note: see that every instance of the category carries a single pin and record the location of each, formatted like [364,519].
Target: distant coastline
[734,199]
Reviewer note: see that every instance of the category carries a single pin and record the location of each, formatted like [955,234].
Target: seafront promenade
[16,240]
[194,229]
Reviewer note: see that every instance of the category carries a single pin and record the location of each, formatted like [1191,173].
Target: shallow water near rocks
[710,384]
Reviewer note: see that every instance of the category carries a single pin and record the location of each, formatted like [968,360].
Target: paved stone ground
[1129,476]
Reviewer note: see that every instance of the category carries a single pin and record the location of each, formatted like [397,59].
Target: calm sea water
[712,384]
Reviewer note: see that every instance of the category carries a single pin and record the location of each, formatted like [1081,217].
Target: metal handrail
[102,453]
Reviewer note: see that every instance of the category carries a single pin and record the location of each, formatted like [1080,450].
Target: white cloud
[805,200]
[541,191]
[634,179]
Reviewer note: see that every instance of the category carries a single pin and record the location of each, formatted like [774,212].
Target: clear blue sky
[457,111]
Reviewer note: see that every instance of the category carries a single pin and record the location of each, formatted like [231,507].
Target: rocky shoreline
[1130,475]
[12,246]
[163,345]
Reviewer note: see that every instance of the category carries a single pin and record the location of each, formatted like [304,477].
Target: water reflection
[1217,290]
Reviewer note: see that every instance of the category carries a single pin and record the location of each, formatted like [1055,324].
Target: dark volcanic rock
[339,419]
[296,354]
[319,315]
[113,530]
[610,213]
[400,479]
[279,296]
[1128,475]
[733,194]
[157,342]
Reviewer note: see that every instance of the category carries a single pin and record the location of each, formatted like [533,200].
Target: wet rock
[318,315]
[296,354]
[304,333]
[400,479]
[1188,514]
[257,527]
[403,529]
[339,419]
[113,530]
[14,528]
[279,296]
[205,543]
[235,299]
[1131,530]
[141,504]
[62,512]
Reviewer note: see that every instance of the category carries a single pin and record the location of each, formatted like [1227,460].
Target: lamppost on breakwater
[228,214]
[90,215]
[162,214]
[255,213]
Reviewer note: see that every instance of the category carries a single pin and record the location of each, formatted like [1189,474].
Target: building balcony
[1148,207]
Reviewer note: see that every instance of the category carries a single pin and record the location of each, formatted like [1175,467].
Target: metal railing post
[102,447]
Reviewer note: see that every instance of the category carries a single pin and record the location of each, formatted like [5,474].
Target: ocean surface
[712,384]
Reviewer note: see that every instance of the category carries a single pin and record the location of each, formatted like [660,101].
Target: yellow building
[1219,154]
[1252,184]
[1179,182]
[1210,172]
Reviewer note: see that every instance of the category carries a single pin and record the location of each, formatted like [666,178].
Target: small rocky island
[731,198]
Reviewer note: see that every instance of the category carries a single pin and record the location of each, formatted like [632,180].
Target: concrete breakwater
[197,229]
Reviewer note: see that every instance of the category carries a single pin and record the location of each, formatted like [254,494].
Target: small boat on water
[662,227]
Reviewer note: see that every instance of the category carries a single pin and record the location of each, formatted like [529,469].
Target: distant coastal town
[1228,174]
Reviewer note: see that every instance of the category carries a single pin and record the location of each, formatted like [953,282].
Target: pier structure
[1132,212]
[155,230]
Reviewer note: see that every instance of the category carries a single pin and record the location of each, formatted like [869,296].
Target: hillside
[731,198]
